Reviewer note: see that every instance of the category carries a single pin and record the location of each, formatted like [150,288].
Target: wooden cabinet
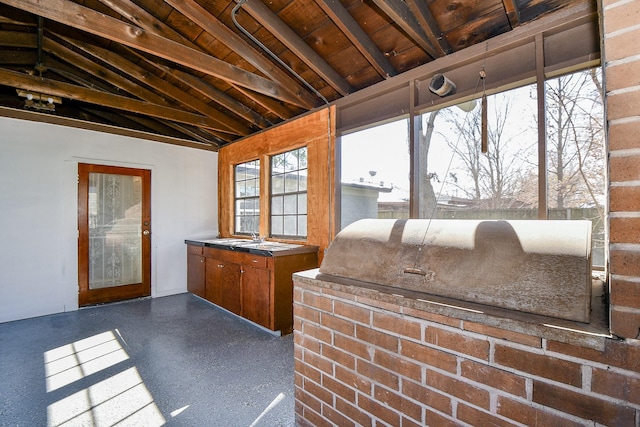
[256,287]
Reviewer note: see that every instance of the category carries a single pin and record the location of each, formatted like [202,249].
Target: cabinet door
[256,291]
[223,284]
[196,275]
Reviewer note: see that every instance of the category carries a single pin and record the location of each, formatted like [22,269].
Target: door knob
[146,232]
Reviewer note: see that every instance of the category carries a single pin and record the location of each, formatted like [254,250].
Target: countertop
[266,248]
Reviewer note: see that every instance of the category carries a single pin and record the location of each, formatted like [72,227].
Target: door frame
[124,292]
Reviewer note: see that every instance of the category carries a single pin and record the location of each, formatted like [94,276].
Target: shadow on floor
[175,360]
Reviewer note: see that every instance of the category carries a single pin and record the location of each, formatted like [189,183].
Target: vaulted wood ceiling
[213,71]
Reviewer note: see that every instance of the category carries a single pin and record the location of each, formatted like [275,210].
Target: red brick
[623,104]
[338,356]
[624,198]
[625,262]
[616,385]
[351,379]
[357,348]
[307,314]
[462,390]
[624,168]
[336,417]
[398,402]
[435,419]
[315,331]
[317,391]
[377,410]
[624,230]
[621,354]
[352,312]
[352,412]
[512,336]
[308,399]
[622,16]
[378,375]
[338,388]
[478,348]
[377,338]
[623,75]
[624,135]
[540,365]
[582,405]
[429,356]
[400,325]
[529,415]
[625,324]
[622,46]
[307,371]
[479,418]
[625,293]
[318,362]
[319,302]
[336,324]
[406,422]
[433,317]
[430,398]
[314,419]
[392,362]
[306,341]
[493,377]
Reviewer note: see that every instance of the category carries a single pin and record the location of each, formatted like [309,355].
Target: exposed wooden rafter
[513,13]
[429,25]
[289,38]
[343,20]
[70,13]
[402,15]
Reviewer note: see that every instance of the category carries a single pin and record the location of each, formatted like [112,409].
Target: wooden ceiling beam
[400,13]
[16,39]
[141,75]
[66,90]
[83,18]
[430,26]
[221,32]
[141,17]
[343,20]
[291,40]
[513,13]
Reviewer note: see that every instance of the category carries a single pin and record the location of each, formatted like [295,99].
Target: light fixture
[441,85]
[39,101]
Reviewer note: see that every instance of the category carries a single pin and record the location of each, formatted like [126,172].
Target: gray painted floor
[175,360]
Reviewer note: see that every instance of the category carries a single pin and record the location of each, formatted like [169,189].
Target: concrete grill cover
[540,267]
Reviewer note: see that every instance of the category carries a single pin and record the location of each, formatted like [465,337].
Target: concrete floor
[175,360]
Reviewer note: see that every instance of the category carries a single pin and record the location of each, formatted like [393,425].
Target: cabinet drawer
[195,250]
[254,260]
[222,255]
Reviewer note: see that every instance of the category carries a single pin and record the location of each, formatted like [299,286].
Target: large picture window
[454,178]
[247,197]
[289,194]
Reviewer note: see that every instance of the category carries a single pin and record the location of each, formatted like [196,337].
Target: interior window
[247,197]
[289,194]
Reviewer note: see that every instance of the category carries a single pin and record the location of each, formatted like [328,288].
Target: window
[375,173]
[455,179]
[247,197]
[289,194]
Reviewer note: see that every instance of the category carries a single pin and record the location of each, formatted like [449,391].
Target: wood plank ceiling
[214,71]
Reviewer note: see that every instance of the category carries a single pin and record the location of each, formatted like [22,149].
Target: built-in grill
[540,267]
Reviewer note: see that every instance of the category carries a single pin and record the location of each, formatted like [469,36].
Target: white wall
[38,210]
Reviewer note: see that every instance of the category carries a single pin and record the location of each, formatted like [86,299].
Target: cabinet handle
[220,265]
[254,260]
[201,260]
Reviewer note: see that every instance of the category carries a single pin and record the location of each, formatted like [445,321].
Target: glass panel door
[114,233]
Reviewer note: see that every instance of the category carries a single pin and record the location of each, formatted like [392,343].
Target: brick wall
[362,359]
[621,21]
